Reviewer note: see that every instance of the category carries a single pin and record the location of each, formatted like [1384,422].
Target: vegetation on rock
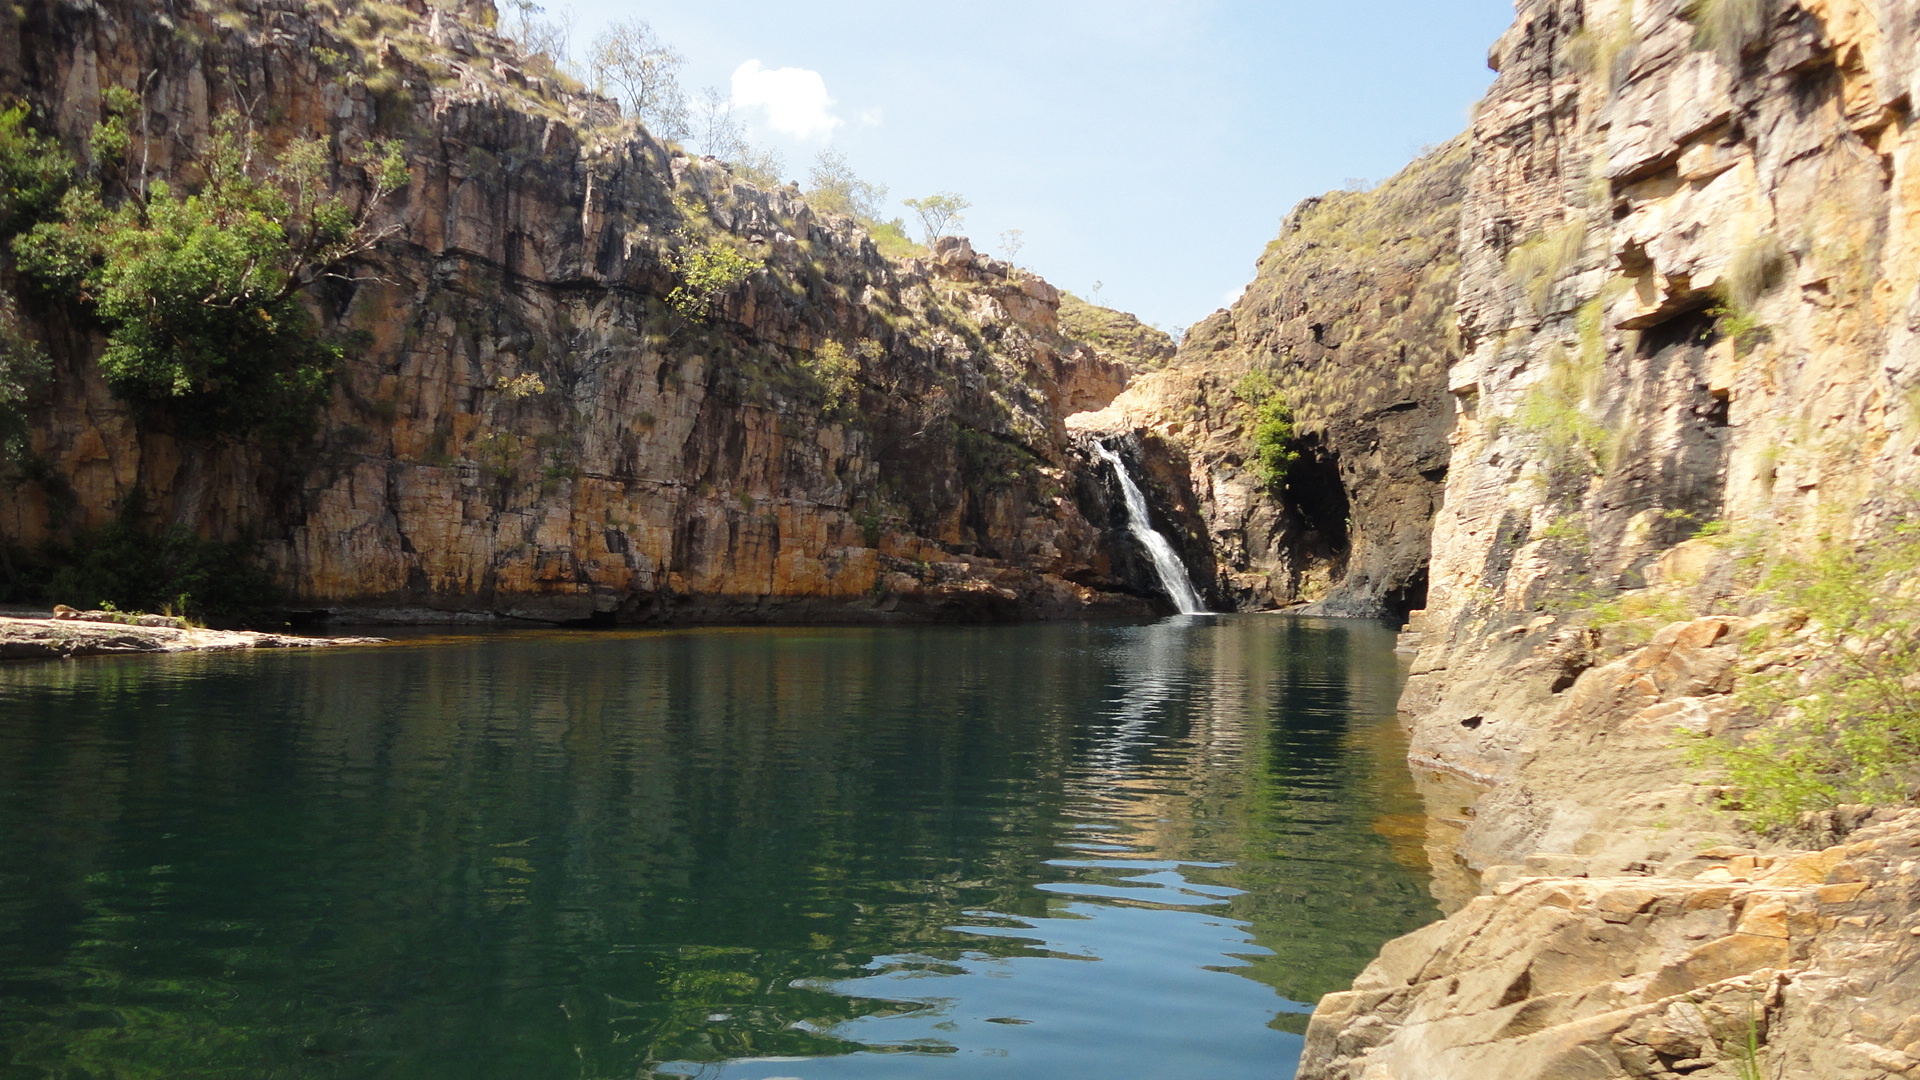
[128,566]
[34,173]
[1841,711]
[706,274]
[1117,333]
[1270,435]
[939,214]
[198,292]
[1729,27]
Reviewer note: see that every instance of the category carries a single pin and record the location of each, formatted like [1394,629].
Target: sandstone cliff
[1687,299]
[525,426]
[1349,319]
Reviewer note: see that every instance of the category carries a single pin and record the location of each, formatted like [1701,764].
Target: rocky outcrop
[1794,965]
[525,426]
[1687,296]
[1117,335]
[64,639]
[1348,320]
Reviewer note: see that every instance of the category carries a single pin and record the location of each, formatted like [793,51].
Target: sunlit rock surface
[654,466]
[1688,294]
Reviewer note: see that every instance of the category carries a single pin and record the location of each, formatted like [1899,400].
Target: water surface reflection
[1008,852]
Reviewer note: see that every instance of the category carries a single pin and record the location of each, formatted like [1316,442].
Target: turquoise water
[1107,851]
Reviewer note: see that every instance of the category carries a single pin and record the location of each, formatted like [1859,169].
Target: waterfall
[1173,574]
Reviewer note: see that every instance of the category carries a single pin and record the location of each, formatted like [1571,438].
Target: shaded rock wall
[1348,318]
[671,467]
[1688,294]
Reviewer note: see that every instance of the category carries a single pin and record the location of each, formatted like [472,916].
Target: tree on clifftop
[644,73]
[939,213]
[833,188]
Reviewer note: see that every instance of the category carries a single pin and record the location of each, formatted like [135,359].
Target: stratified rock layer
[527,428]
[1688,294]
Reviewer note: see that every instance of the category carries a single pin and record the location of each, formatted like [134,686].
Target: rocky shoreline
[48,638]
[1689,296]
[1623,926]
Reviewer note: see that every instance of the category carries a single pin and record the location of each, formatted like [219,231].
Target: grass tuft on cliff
[1116,333]
[1728,28]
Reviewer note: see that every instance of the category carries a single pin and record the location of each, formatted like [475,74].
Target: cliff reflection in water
[664,852]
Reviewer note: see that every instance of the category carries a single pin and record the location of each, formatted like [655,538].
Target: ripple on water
[1114,851]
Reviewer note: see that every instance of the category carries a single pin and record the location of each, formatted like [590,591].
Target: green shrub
[1843,727]
[706,274]
[891,238]
[1740,325]
[34,173]
[198,292]
[24,368]
[837,374]
[1271,434]
[130,569]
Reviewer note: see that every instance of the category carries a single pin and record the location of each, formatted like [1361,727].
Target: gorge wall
[1349,319]
[1688,309]
[524,426]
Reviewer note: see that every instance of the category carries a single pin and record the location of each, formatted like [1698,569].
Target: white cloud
[793,101]
[1233,296]
[872,117]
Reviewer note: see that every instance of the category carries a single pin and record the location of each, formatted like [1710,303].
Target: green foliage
[1271,433]
[1729,27]
[892,239]
[1741,325]
[34,173]
[1570,531]
[124,567]
[111,138]
[1537,264]
[24,368]
[1843,727]
[1636,615]
[1746,1053]
[837,373]
[198,291]
[706,274]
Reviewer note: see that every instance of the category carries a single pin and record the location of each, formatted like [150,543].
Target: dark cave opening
[1408,597]
[1318,500]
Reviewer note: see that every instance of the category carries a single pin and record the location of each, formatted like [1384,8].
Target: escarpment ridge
[1347,325]
[525,421]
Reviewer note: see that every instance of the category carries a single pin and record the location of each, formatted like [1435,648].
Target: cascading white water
[1173,573]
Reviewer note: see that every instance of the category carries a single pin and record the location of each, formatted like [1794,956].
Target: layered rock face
[526,427]
[1349,319]
[1688,296]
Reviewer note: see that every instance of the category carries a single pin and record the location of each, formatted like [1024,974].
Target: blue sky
[1151,145]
